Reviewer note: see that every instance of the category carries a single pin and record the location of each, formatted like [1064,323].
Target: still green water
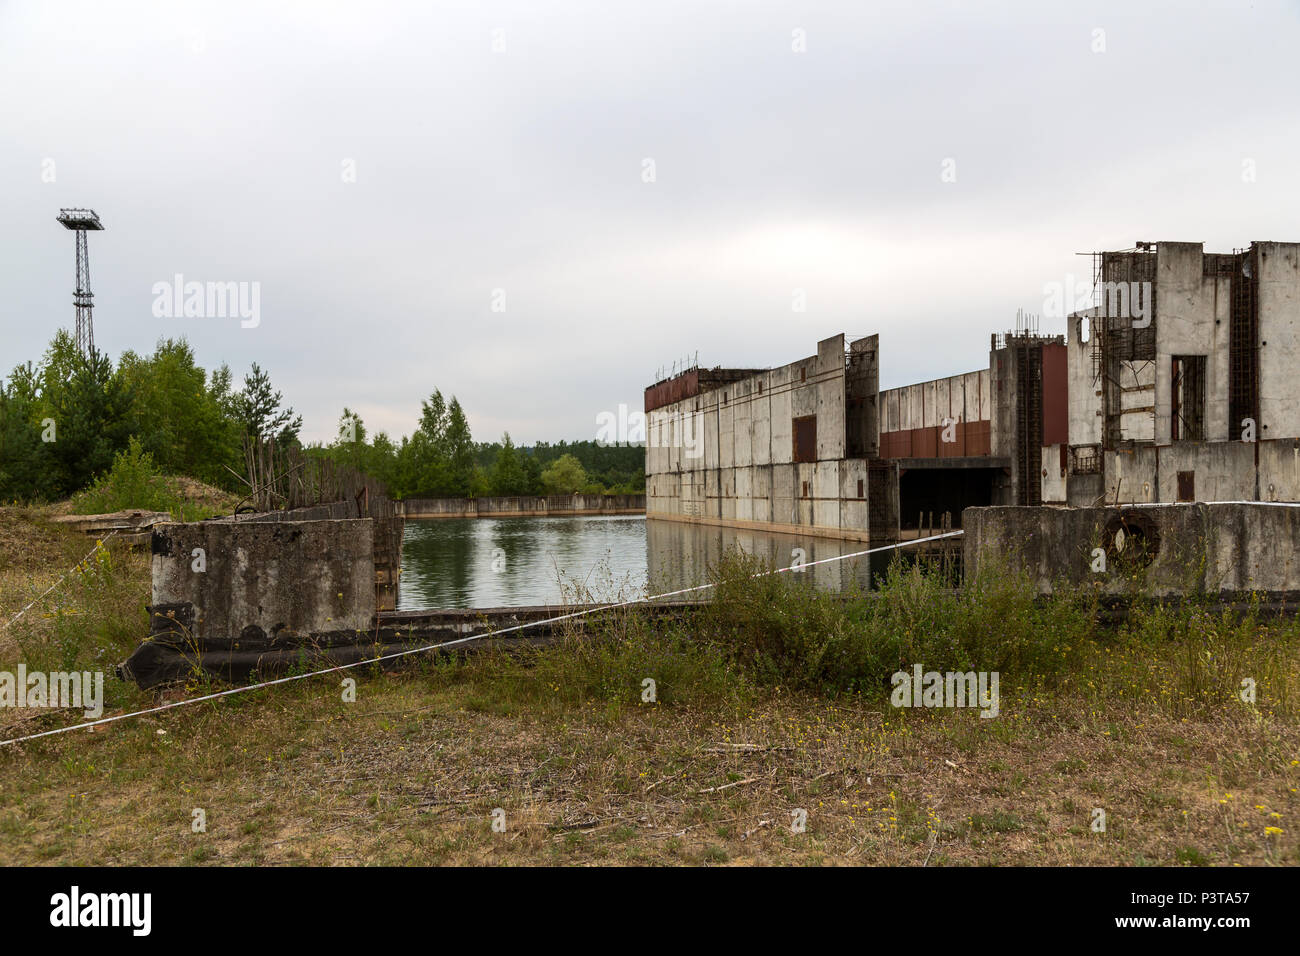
[504,562]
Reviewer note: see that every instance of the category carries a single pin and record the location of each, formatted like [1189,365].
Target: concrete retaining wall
[526,506]
[827,498]
[262,577]
[1220,548]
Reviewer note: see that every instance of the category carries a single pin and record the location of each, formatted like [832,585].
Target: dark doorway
[936,490]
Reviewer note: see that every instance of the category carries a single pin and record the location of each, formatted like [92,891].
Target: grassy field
[771,706]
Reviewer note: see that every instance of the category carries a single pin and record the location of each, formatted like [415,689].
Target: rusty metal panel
[1056,417]
[895,444]
[1187,486]
[686,385]
[972,439]
[805,438]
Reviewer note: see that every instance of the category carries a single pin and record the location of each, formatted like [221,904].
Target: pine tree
[257,407]
[460,452]
[508,471]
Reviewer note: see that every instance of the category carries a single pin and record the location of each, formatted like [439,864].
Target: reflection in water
[680,554]
[503,562]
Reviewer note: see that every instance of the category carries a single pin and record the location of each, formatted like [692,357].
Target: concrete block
[259,577]
[1216,549]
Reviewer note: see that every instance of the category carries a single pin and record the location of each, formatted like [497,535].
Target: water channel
[505,562]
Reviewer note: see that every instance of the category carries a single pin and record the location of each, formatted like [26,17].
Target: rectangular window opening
[1187,398]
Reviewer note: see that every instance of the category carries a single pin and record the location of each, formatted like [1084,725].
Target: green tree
[179,420]
[423,461]
[508,476]
[564,476]
[532,474]
[349,446]
[91,411]
[258,409]
[460,452]
[25,461]
[382,462]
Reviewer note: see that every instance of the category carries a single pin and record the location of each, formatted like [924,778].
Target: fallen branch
[727,786]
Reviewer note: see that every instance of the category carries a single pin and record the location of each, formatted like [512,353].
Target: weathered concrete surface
[1194,298]
[522,506]
[1217,549]
[113,521]
[130,528]
[726,456]
[261,578]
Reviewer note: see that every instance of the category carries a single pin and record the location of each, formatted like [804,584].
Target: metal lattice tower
[82,221]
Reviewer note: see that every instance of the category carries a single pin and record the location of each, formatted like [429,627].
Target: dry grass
[412,772]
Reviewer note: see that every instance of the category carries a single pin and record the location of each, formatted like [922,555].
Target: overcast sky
[379,169]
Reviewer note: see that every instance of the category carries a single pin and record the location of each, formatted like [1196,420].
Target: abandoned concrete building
[1191,395]
[1177,385]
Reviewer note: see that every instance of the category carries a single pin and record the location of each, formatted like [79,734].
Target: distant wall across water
[539,506]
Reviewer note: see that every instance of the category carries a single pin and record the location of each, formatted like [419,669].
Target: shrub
[786,631]
[131,483]
[135,483]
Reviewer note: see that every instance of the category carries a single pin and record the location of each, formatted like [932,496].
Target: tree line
[65,418]
[440,459]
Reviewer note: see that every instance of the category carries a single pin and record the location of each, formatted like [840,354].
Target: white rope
[459,640]
[14,620]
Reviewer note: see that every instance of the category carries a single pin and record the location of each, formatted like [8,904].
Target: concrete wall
[912,417]
[521,506]
[1211,548]
[726,456]
[1222,471]
[1279,470]
[1051,391]
[1279,318]
[814,498]
[1085,392]
[1055,489]
[862,399]
[1193,316]
[261,577]
[681,555]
